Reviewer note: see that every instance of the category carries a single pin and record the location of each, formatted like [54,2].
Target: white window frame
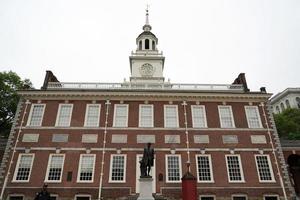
[266,195]
[231,115]
[115,110]
[86,115]
[48,168]
[79,169]
[270,168]
[210,168]
[204,114]
[258,114]
[110,168]
[15,194]
[58,114]
[210,195]
[165,116]
[166,166]
[241,169]
[82,195]
[239,195]
[31,111]
[17,168]
[140,116]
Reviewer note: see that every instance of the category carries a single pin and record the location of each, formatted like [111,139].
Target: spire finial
[147,14]
[147,26]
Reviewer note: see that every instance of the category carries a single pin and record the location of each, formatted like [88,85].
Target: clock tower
[146,63]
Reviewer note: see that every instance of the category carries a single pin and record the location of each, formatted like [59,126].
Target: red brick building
[85,139]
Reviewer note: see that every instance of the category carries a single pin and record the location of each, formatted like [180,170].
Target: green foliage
[288,123]
[10,82]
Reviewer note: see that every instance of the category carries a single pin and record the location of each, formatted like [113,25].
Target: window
[171,116]
[239,197]
[199,117]
[117,168]
[83,197]
[234,168]
[92,115]
[36,115]
[277,109]
[23,167]
[64,115]
[271,197]
[253,117]
[16,197]
[298,101]
[287,103]
[264,168]
[121,115]
[140,45]
[204,168]
[153,45]
[146,116]
[282,106]
[147,44]
[173,168]
[55,167]
[86,168]
[226,117]
[208,197]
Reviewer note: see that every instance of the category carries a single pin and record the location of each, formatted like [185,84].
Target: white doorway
[138,174]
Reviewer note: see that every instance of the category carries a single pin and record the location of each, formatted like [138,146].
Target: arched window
[287,103]
[282,107]
[277,109]
[140,45]
[147,44]
[298,101]
[153,45]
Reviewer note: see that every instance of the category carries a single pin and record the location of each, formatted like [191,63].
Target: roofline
[279,95]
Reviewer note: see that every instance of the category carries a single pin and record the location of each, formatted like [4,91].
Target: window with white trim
[83,197]
[207,197]
[199,116]
[24,167]
[234,168]
[117,168]
[121,115]
[226,117]
[86,168]
[92,115]
[64,115]
[146,116]
[271,197]
[171,116]
[264,168]
[16,197]
[173,168]
[55,167]
[204,168]
[239,197]
[36,115]
[253,117]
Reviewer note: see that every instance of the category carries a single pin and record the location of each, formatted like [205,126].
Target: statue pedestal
[145,189]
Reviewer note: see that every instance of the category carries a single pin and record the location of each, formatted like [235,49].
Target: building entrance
[294,167]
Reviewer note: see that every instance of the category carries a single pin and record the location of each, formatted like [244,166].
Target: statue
[147,161]
[44,194]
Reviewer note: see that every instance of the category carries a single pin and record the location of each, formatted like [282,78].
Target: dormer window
[153,45]
[147,45]
[140,45]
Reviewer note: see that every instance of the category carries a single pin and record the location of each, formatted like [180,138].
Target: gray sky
[204,41]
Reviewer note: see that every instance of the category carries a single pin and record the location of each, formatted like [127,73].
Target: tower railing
[143,86]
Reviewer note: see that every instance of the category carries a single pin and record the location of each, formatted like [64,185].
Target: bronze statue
[44,194]
[147,161]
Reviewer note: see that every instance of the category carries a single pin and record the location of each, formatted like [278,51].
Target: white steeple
[147,63]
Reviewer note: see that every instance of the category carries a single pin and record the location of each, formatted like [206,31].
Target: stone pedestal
[145,189]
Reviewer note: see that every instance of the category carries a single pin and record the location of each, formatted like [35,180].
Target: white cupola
[146,63]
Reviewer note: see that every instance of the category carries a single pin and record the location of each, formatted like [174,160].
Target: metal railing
[141,86]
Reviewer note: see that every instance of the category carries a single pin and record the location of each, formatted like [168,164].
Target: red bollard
[189,187]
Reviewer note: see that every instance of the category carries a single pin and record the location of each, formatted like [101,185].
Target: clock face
[147,70]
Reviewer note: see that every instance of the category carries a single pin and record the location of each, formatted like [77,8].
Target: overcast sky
[204,41]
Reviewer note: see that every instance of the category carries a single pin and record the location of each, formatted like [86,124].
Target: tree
[288,123]
[10,82]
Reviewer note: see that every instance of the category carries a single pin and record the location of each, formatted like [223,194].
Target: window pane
[226,117]
[24,167]
[86,168]
[263,168]
[253,117]
[36,115]
[234,170]
[204,172]
[173,168]
[117,168]
[64,115]
[171,116]
[146,116]
[121,115]
[55,167]
[199,119]
[92,115]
